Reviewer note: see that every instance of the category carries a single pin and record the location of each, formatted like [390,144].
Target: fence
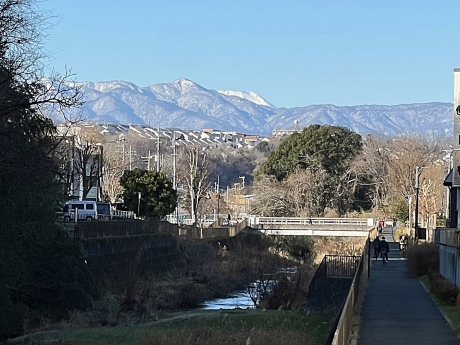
[345,322]
[333,266]
[359,222]
[86,230]
[341,265]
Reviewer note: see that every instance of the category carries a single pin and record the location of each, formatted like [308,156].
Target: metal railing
[341,265]
[333,266]
[360,222]
[345,322]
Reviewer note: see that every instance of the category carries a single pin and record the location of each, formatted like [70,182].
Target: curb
[444,315]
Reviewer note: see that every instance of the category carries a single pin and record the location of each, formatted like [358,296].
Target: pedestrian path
[397,309]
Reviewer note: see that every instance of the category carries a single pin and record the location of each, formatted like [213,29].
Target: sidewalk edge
[444,315]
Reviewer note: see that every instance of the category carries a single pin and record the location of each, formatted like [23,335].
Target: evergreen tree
[327,153]
[148,193]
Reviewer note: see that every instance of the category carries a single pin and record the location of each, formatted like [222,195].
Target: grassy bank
[200,327]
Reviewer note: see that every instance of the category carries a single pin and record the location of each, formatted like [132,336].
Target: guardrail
[122,214]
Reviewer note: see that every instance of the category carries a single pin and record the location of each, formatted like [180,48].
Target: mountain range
[185,104]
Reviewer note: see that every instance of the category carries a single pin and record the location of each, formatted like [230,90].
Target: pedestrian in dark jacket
[384,248]
[376,245]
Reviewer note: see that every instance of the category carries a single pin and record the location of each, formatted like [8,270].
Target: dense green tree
[399,208]
[327,153]
[264,147]
[158,198]
[37,261]
[328,147]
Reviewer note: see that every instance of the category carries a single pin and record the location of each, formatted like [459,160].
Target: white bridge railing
[336,222]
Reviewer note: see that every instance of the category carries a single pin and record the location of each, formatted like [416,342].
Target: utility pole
[130,159]
[174,175]
[242,177]
[418,171]
[218,197]
[138,204]
[158,149]
[149,157]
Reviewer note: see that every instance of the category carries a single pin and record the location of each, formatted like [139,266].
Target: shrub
[11,316]
[442,288]
[193,294]
[422,258]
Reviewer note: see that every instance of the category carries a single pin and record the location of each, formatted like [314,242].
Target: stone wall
[111,264]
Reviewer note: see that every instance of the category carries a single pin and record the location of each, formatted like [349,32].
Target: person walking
[384,248]
[376,245]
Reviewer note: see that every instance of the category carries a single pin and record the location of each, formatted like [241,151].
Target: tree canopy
[315,171]
[327,147]
[37,261]
[158,198]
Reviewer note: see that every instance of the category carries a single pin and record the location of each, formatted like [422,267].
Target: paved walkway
[397,309]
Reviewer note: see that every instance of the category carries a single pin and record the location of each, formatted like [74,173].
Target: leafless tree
[373,163]
[194,169]
[22,60]
[112,171]
[405,153]
[272,198]
[430,191]
[88,165]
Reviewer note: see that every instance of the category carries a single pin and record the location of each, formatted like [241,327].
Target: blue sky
[292,53]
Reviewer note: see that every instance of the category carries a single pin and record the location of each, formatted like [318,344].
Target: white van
[86,210]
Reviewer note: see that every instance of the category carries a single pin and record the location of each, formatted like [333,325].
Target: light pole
[418,171]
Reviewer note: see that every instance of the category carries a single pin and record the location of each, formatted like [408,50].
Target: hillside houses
[206,138]
[117,147]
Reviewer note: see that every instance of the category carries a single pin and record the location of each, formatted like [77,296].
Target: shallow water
[239,299]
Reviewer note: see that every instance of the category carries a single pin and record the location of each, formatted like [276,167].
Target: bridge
[294,226]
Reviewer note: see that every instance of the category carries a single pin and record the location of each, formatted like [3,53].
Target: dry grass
[208,328]
[210,336]
[337,245]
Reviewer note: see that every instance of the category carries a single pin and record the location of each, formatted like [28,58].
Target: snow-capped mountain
[248,95]
[187,105]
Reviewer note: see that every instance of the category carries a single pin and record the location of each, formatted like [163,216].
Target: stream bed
[241,299]
[238,299]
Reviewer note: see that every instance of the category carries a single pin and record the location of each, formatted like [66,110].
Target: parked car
[104,210]
[86,210]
